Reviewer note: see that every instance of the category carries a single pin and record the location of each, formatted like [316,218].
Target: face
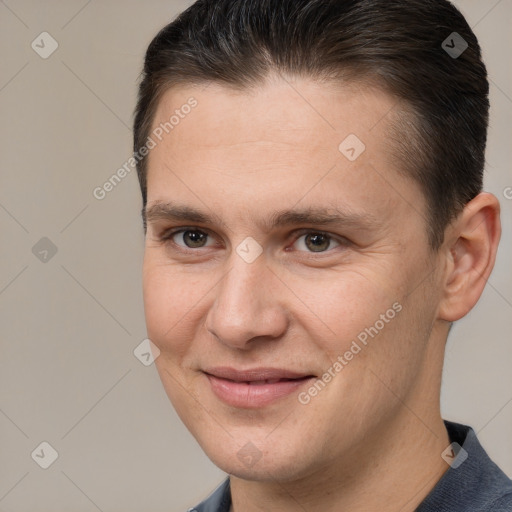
[287,275]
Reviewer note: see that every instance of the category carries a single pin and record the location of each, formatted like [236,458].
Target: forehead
[313,141]
[290,110]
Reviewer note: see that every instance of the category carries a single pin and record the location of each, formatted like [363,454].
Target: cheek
[395,340]
[171,299]
[375,325]
[348,303]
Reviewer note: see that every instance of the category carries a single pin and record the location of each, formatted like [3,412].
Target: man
[311,173]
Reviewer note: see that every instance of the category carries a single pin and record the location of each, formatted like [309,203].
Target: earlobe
[473,239]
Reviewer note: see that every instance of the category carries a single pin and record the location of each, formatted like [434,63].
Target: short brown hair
[397,44]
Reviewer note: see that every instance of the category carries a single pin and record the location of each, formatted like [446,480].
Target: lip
[248,389]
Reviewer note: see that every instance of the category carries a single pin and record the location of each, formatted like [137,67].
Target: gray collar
[477,485]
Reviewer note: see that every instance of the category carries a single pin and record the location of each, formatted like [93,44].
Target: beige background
[69,326]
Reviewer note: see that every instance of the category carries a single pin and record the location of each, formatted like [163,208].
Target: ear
[471,243]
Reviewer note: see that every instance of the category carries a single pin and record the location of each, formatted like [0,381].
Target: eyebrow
[326,216]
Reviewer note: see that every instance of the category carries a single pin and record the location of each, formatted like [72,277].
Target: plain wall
[69,325]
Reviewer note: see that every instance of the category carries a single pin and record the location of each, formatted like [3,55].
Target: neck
[395,477]
[394,469]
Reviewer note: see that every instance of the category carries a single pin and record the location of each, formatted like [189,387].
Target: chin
[249,463]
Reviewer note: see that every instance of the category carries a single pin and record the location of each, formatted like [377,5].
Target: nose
[247,307]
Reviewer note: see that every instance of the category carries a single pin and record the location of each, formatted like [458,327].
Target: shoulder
[218,501]
[503,504]
[473,483]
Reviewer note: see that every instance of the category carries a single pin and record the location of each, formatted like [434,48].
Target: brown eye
[315,242]
[191,238]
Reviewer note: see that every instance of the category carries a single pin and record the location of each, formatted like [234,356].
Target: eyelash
[167,237]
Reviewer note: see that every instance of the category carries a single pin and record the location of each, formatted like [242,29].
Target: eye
[315,242]
[189,238]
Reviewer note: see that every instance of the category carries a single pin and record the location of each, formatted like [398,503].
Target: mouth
[254,388]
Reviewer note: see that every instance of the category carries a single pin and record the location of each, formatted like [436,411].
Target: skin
[372,438]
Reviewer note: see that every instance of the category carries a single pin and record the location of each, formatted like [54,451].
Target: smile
[254,388]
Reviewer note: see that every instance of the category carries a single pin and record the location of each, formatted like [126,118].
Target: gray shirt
[476,485]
